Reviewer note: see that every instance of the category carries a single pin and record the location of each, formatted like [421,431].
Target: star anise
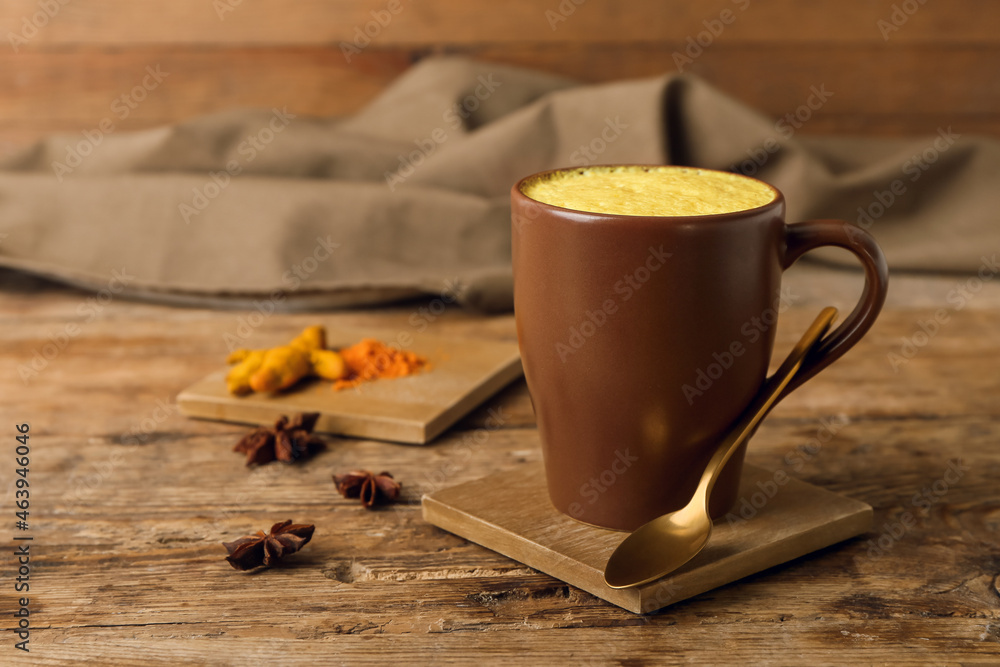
[372,489]
[288,441]
[267,549]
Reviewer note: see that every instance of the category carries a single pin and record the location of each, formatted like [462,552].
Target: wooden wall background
[941,67]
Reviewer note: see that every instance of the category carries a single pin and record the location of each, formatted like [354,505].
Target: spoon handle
[762,404]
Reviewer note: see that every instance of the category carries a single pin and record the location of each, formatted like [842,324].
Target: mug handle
[800,238]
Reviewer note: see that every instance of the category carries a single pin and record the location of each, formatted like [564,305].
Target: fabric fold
[409,196]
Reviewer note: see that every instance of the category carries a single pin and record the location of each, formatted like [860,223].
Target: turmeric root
[328,364]
[311,338]
[247,363]
[306,355]
[280,367]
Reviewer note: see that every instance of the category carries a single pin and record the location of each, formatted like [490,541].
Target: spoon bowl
[667,542]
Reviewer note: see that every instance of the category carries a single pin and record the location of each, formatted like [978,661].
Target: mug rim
[777,202]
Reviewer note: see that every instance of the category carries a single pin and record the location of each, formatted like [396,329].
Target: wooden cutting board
[415,409]
[510,513]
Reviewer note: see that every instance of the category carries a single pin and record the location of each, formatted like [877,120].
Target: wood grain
[312,80]
[131,22]
[131,501]
[510,512]
[933,71]
[317,80]
[460,375]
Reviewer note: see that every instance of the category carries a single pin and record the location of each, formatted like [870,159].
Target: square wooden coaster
[415,409]
[510,513]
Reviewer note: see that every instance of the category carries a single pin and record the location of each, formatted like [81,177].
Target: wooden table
[130,501]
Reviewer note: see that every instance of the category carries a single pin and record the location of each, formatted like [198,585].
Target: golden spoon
[664,544]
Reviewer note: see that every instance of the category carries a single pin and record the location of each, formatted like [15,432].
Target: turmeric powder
[371,359]
[281,367]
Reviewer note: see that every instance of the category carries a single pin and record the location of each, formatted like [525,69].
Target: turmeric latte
[649,190]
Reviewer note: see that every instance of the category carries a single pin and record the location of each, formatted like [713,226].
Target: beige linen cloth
[410,196]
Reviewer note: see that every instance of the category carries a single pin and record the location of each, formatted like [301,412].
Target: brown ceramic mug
[644,337]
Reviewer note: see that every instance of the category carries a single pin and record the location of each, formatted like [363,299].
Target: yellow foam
[656,191]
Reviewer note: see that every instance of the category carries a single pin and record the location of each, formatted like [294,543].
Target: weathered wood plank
[175,524]
[444,645]
[953,89]
[125,22]
[776,78]
[102,361]
[317,80]
[190,81]
[129,568]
